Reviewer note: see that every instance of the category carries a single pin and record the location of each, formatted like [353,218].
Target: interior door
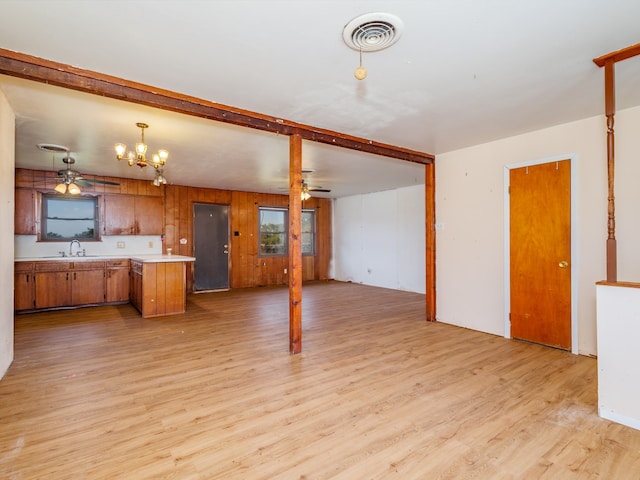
[540,253]
[211,247]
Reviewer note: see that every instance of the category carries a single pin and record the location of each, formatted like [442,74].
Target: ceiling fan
[70,180]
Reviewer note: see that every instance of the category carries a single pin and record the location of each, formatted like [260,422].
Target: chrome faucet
[76,241]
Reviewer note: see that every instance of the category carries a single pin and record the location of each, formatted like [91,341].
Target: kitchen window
[66,218]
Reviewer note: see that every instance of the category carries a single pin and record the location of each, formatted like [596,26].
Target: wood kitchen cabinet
[158,288]
[25,211]
[132,215]
[135,294]
[52,289]
[45,284]
[117,288]
[118,214]
[87,282]
[24,286]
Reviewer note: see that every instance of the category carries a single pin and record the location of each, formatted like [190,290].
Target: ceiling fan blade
[101,182]
[321,190]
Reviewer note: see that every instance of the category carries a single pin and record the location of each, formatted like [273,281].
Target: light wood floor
[378,393]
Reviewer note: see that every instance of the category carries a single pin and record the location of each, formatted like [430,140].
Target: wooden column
[430,239]
[295,244]
[610,111]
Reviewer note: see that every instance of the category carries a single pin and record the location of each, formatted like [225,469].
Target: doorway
[538,264]
[211,247]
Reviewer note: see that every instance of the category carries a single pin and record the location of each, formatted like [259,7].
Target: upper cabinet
[132,215]
[25,215]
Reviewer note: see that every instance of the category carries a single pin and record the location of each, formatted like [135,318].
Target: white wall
[618,354]
[379,239]
[7,208]
[470,261]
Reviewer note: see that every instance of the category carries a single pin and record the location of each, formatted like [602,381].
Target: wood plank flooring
[378,393]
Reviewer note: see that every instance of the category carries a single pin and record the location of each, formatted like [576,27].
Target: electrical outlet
[150,244]
[285,270]
[120,245]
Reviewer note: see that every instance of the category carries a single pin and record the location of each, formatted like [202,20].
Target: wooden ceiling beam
[46,71]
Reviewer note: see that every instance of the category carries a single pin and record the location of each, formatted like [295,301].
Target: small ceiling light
[305,194]
[139,156]
[361,72]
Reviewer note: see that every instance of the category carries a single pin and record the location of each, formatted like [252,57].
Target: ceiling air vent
[372,32]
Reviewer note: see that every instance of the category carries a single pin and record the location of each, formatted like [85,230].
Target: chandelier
[139,156]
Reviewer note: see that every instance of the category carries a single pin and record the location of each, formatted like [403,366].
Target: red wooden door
[540,253]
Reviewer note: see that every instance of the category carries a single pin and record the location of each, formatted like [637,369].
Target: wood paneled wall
[247,268]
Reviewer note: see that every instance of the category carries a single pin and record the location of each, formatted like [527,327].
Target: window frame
[44,210]
[285,211]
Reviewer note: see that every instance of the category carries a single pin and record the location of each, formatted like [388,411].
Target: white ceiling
[464,72]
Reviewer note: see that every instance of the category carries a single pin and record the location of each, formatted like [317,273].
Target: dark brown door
[540,251]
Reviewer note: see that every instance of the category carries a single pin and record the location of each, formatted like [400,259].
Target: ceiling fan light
[61,188]
[74,189]
[156,182]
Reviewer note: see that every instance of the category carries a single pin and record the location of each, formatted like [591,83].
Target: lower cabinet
[53,289]
[117,281]
[24,285]
[158,288]
[60,283]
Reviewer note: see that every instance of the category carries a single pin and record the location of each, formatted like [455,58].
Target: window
[274,231]
[308,232]
[66,218]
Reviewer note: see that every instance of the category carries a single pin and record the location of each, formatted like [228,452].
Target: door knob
[563,264]
[225,251]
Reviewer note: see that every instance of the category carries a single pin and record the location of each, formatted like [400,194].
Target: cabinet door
[119,215]
[88,287]
[149,212]
[25,215]
[136,290]
[117,284]
[53,289]
[24,291]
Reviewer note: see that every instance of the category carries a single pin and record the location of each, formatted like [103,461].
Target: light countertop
[140,258]
[162,258]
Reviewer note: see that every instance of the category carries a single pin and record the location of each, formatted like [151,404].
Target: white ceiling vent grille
[372,32]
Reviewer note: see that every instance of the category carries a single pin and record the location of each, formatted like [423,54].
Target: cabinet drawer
[51,266]
[87,265]
[21,267]
[118,263]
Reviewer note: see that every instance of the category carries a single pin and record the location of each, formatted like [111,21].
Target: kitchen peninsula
[158,284]
[155,284]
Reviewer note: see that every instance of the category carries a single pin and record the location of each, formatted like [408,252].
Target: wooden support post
[295,244]
[430,239]
[610,111]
